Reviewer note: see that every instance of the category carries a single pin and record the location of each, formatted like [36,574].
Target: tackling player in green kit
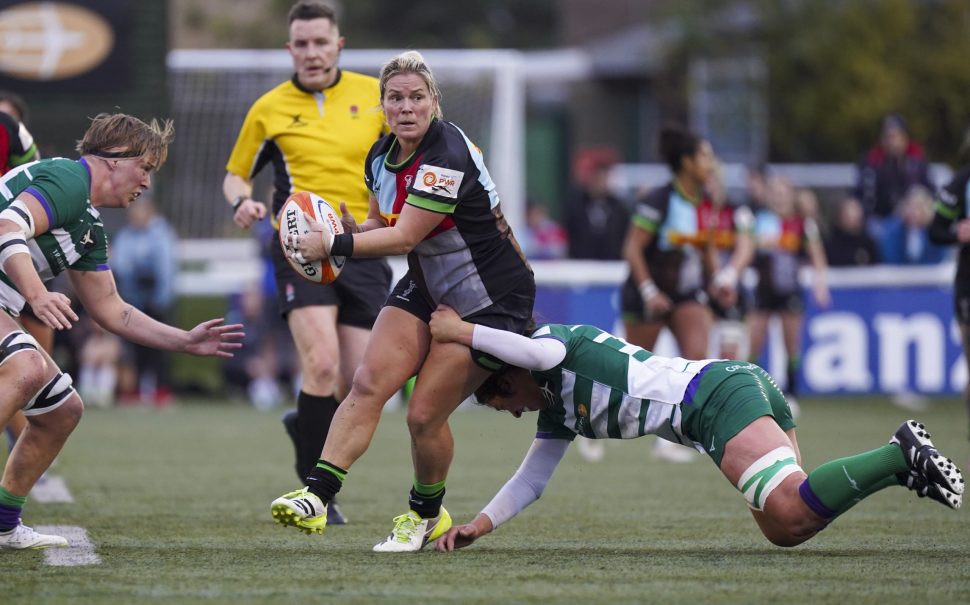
[50,223]
[584,381]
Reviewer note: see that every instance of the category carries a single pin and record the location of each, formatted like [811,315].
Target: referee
[315,130]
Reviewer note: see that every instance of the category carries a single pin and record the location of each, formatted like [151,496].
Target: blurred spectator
[14,105]
[144,264]
[666,248]
[756,187]
[98,357]
[951,227]
[889,169]
[254,368]
[596,220]
[906,239]
[729,232]
[544,238]
[784,238]
[848,244]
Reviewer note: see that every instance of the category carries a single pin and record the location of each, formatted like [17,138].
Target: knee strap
[14,342]
[767,473]
[55,392]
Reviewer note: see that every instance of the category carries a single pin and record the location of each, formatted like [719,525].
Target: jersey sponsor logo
[439,181]
[53,40]
[297,122]
[740,366]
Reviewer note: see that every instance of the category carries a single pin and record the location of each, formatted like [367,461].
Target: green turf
[177,503]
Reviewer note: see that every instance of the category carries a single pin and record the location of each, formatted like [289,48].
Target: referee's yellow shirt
[315,141]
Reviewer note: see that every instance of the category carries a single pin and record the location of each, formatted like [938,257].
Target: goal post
[211,90]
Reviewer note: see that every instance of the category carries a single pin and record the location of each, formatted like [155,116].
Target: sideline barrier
[889,329]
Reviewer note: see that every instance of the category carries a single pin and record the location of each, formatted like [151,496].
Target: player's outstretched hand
[210,339]
[54,309]
[459,536]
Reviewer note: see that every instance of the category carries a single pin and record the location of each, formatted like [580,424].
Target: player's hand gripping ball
[294,222]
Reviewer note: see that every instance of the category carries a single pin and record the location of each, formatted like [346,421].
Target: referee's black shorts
[359,292]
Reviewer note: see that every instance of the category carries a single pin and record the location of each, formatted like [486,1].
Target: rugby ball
[293,221]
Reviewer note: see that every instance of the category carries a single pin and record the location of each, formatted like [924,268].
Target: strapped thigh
[57,390]
[767,473]
[15,342]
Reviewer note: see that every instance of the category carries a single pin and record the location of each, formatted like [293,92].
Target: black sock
[314,417]
[325,480]
[426,506]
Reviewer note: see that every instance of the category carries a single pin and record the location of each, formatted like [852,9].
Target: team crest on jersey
[548,394]
[88,240]
[354,112]
[581,410]
[408,179]
[435,180]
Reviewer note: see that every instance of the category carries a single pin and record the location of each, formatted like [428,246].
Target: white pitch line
[80,549]
[51,489]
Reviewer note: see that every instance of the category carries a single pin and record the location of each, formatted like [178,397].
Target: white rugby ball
[293,222]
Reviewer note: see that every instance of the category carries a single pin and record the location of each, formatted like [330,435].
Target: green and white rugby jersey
[75,238]
[606,387]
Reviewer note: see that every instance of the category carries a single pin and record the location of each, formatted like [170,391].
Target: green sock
[425,499]
[841,483]
[431,490]
[8,499]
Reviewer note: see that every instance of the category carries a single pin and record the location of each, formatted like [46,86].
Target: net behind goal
[211,91]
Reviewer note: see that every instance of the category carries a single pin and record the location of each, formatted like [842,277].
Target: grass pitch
[177,505]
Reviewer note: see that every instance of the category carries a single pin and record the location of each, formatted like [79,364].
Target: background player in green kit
[584,381]
[49,223]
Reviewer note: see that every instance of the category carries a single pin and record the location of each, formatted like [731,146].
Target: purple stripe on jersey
[104,267]
[84,163]
[813,502]
[694,384]
[43,202]
[544,435]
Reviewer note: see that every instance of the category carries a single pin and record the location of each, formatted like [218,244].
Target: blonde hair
[123,136]
[412,62]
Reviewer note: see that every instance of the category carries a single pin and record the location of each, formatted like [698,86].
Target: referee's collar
[296,82]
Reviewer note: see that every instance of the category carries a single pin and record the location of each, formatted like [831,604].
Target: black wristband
[343,245]
[236,203]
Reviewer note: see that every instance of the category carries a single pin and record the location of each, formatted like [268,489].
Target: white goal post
[211,90]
